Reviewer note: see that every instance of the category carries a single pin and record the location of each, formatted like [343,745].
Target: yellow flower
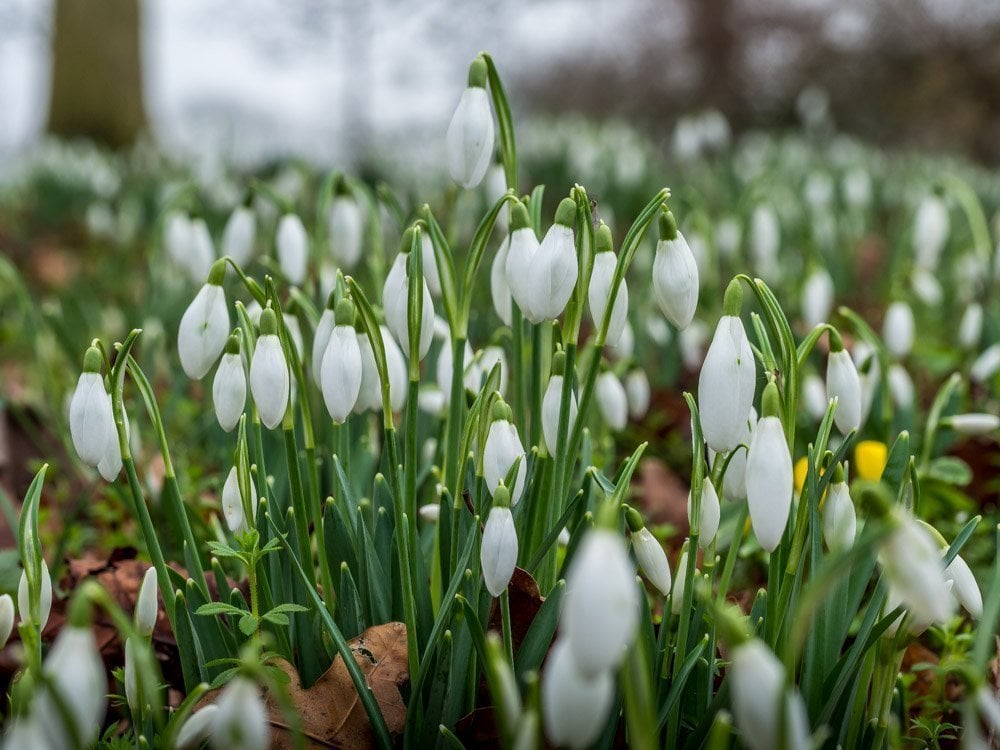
[869,459]
[801,469]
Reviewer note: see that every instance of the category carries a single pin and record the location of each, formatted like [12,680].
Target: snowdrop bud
[765,237]
[964,586]
[843,384]
[430,512]
[734,484]
[470,133]
[229,389]
[197,728]
[970,329]
[728,378]
[241,721]
[974,424]
[986,365]
[648,553]
[395,302]
[232,505]
[552,402]
[930,231]
[677,593]
[201,252]
[817,297]
[269,379]
[499,289]
[912,564]
[612,402]
[503,447]
[898,329]
[711,512]
[839,518]
[601,608]
[322,337]
[131,683]
[340,375]
[111,462]
[6,618]
[44,599]
[600,288]
[553,271]
[146,605]
[814,396]
[292,244]
[769,474]
[238,236]
[498,553]
[204,326]
[75,671]
[90,411]
[522,251]
[675,274]
[637,391]
[900,388]
[574,706]
[346,229]
[757,680]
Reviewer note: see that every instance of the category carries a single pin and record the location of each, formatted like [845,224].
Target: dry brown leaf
[525,601]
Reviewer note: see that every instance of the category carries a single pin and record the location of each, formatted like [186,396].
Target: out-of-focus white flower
[229,389]
[341,371]
[197,728]
[658,330]
[814,396]
[146,605]
[503,447]
[395,301]
[989,708]
[987,364]
[430,512]
[652,559]
[970,329]
[320,339]
[470,133]
[974,424]
[927,287]
[600,288]
[90,416]
[680,579]
[638,393]
[727,237]
[486,360]
[551,403]
[200,253]
[177,239]
[757,681]
[6,618]
[44,599]
[912,564]
[238,236]
[542,276]
[624,348]
[498,553]
[445,370]
[930,231]
[817,297]
[499,288]
[292,245]
[232,504]
[601,609]
[857,187]
[734,483]
[204,327]
[612,401]
[574,706]
[691,343]
[346,229]
[269,379]
[840,521]
[75,672]
[898,329]
[900,387]
[711,512]
[869,374]
[370,394]
[241,721]
[675,274]
[769,474]
[765,239]
[843,384]
[965,588]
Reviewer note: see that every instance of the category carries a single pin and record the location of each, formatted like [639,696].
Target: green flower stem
[508,638]
[316,508]
[537,364]
[517,380]
[148,531]
[410,457]
[453,462]
[732,553]
[298,498]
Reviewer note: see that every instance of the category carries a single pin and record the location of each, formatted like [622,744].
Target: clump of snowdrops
[367,486]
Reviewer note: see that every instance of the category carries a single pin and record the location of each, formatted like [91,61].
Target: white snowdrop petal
[652,559]
[574,707]
[341,373]
[292,244]
[89,416]
[269,380]
[769,482]
[470,138]
[498,553]
[675,280]
[843,383]
[612,401]
[711,512]
[726,385]
[203,331]
[229,391]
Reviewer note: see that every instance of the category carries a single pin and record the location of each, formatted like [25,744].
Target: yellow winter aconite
[869,459]
[801,469]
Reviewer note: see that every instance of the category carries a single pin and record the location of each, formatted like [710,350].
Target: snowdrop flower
[765,239]
[930,231]
[431,400]
[238,236]
[675,274]
[552,403]
[6,618]
[521,250]
[499,289]
[974,424]
[90,415]
[341,371]
[843,384]
[44,599]
[728,378]
[857,187]
[898,329]
[429,259]
[395,301]
[769,474]
[734,483]
[241,721]
[75,671]
[814,396]
[503,447]
[987,364]
[177,239]
[600,288]
[292,244]
[111,462]
[912,564]
[498,553]
[294,332]
[345,227]
[445,369]
[638,393]
[542,276]
[711,512]
[232,503]
[321,337]
[470,133]
[612,401]
[269,379]
[197,728]
[625,346]
[817,297]
[146,605]
[869,374]
[989,708]
[758,689]
[600,613]
[204,326]
[658,330]
[691,343]
[680,579]
[229,389]
[964,586]
[649,553]
[370,395]
[727,237]
[839,517]
[201,252]
[901,388]
[486,360]
[574,706]
[131,681]
[970,329]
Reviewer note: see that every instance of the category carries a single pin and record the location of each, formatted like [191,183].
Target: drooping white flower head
[395,302]
[471,133]
[765,240]
[711,512]
[471,372]
[370,394]
[612,401]
[229,389]
[486,359]
[901,388]
[204,326]
[522,249]
[238,236]
[574,706]
[970,329]
[757,685]
[930,231]
[269,378]
[131,679]
[346,230]
[197,728]
[649,553]
[912,564]
[974,424]
[146,605]
[675,274]
[898,329]
[431,274]
[552,404]
[926,286]
[6,618]
[869,373]
[232,504]
[321,338]
[599,293]
[553,270]
[292,245]
[843,384]
[499,288]
[503,447]
[75,671]
[241,720]
[44,599]
[817,297]
[498,553]
[964,586]
[90,411]
[769,474]
[341,371]
[600,613]
[734,483]
[638,393]
[728,378]
[177,239]
[680,581]
[989,708]
[814,396]
[857,187]
[840,521]
[987,364]
[201,251]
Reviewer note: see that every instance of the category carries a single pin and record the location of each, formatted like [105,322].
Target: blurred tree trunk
[97,71]
[715,43]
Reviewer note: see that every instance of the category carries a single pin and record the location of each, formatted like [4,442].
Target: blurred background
[348,81]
